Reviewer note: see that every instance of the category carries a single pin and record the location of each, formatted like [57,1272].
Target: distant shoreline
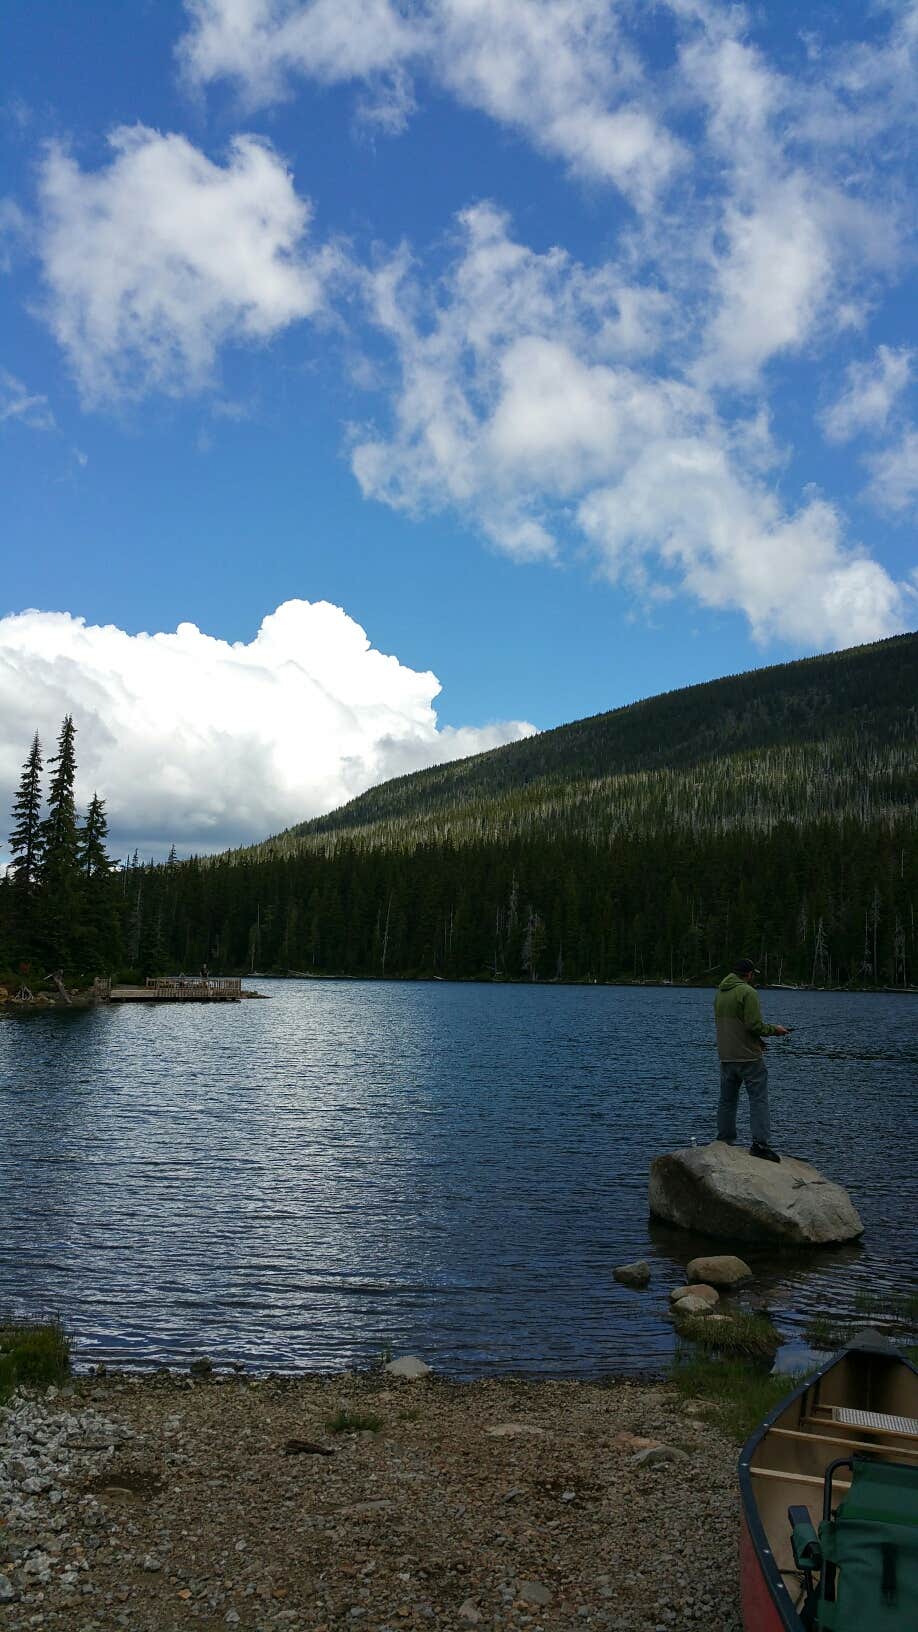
[619,985]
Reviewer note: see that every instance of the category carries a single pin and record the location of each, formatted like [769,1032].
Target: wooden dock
[181,989]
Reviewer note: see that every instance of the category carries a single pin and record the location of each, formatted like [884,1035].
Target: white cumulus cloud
[208,743]
[522,403]
[154,261]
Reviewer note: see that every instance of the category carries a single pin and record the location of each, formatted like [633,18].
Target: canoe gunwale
[782,1602]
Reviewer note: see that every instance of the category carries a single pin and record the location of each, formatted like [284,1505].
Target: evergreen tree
[60,870]
[26,851]
[91,856]
[99,937]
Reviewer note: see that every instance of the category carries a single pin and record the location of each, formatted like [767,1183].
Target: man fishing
[740,1030]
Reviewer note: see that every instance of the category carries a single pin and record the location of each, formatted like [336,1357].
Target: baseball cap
[744,966]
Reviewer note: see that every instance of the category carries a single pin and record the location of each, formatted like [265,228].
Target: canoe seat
[866,1552]
[879,1420]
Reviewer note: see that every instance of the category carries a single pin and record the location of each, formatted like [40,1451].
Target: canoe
[859,1410]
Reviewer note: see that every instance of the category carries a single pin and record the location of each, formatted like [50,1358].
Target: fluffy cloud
[262,43]
[784,237]
[553,405]
[559,72]
[523,402]
[157,259]
[563,75]
[894,480]
[872,388]
[205,743]
[683,515]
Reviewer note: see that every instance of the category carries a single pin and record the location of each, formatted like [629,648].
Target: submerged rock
[633,1274]
[723,1191]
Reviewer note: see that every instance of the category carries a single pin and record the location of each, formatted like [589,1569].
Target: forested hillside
[772,813]
[868,694]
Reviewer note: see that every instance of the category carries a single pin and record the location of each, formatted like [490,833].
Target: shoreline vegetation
[725,1368]
[83,997]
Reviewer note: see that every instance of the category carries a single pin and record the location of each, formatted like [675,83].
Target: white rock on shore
[722,1191]
[407,1365]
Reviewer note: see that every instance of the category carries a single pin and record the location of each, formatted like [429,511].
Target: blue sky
[553,353]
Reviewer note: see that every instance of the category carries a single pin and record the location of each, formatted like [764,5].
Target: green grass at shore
[734,1395]
[354,1422]
[894,1314]
[742,1336]
[34,1353]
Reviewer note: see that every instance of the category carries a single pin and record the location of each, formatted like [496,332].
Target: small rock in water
[202,1366]
[725,1270]
[637,1274]
[407,1365]
[690,1305]
[709,1293]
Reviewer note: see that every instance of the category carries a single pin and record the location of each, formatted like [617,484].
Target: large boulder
[722,1191]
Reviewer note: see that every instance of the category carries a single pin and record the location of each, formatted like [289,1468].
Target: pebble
[534,1592]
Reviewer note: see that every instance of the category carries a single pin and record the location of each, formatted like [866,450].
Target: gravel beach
[165,1502]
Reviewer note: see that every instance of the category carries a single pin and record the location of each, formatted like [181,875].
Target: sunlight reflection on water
[452,1170]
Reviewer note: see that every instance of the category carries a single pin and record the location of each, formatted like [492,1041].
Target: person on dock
[740,1030]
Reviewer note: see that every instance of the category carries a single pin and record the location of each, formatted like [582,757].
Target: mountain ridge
[868,692]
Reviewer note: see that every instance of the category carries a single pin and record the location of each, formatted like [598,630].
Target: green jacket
[738,1016]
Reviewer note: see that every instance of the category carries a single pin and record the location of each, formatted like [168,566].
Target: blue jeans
[753,1074]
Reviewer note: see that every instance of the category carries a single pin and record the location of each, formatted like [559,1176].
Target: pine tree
[98,922]
[91,856]
[25,839]
[60,872]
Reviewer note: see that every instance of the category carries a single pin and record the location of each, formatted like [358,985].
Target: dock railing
[192,988]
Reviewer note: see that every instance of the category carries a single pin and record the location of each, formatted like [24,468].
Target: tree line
[803,857]
[833,904]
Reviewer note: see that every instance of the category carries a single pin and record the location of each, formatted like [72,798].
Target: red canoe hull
[760,1613]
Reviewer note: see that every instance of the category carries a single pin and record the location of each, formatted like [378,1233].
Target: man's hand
[782,1031]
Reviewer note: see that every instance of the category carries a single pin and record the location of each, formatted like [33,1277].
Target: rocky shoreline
[311,1504]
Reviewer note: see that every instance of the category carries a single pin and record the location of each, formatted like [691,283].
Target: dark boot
[765,1152]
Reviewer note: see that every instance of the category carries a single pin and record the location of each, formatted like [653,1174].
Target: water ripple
[452,1170]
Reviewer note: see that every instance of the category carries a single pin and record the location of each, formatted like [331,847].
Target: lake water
[450,1170]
